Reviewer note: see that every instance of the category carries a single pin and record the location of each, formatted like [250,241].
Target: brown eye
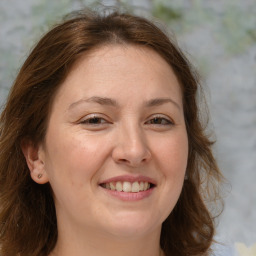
[94,121]
[160,121]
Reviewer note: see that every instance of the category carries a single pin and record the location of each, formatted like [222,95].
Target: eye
[93,120]
[160,120]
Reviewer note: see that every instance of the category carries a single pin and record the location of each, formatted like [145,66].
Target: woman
[102,149]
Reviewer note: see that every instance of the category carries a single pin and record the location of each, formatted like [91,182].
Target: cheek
[74,158]
[73,165]
[173,155]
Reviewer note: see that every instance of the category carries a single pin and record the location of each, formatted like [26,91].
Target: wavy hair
[28,225]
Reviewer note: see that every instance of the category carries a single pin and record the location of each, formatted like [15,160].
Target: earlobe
[35,160]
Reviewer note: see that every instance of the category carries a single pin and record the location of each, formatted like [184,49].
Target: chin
[133,226]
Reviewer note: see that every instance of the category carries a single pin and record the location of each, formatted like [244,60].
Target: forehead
[120,68]
[111,55]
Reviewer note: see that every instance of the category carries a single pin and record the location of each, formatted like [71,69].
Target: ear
[35,160]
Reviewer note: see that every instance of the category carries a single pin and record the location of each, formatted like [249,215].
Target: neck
[107,245]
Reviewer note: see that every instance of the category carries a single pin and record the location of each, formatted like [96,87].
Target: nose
[131,147]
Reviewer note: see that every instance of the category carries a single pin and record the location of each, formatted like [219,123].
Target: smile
[128,187]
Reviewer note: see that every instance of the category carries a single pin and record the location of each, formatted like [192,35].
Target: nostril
[123,160]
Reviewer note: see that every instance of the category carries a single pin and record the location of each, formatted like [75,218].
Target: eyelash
[161,118]
[94,118]
[94,121]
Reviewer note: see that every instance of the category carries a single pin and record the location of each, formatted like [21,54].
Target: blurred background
[219,37]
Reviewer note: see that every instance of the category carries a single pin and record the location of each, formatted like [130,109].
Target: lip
[125,196]
[129,196]
[129,178]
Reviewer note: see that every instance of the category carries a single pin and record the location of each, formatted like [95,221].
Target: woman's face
[116,147]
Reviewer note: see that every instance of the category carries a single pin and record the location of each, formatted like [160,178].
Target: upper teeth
[127,186]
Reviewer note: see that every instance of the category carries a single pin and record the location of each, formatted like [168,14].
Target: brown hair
[28,223]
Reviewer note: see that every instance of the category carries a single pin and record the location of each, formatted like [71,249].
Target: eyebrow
[161,101]
[96,99]
[113,103]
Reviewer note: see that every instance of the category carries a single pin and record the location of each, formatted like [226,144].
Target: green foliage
[238,30]
[166,13]
[46,13]
[230,25]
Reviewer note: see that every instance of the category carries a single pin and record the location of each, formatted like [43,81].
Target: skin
[90,140]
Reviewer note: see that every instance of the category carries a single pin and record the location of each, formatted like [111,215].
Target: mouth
[127,186]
